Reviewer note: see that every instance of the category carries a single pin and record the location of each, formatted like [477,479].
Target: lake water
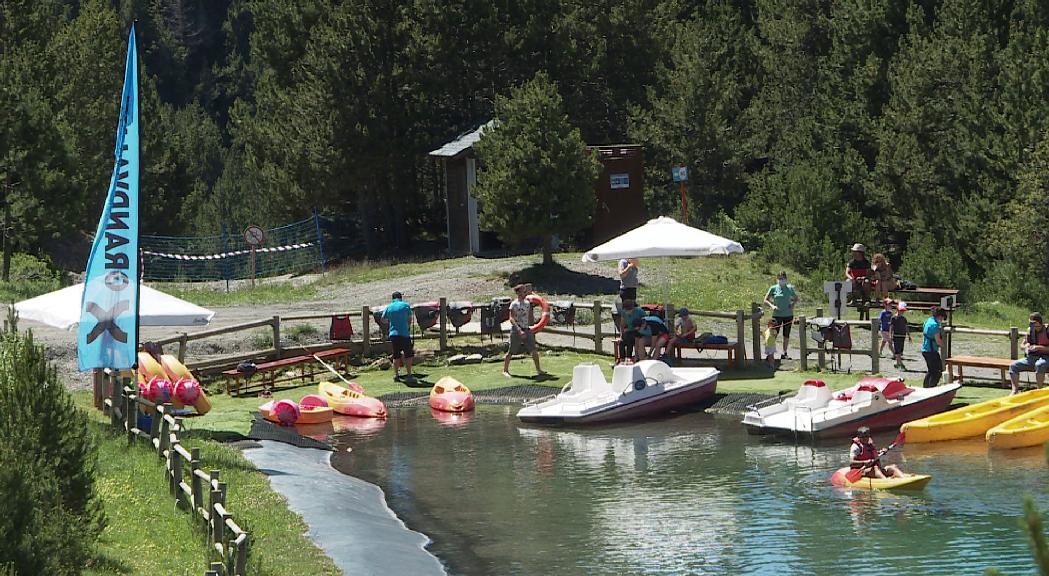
[691,494]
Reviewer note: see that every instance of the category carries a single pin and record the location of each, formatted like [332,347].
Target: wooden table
[925,298]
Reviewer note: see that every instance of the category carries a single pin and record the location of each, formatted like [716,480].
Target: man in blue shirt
[931,342]
[398,313]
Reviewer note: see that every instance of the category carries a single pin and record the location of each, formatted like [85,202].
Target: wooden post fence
[598,330]
[803,344]
[225,538]
[755,330]
[741,345]
[875,343]
[366,330]
[443,321]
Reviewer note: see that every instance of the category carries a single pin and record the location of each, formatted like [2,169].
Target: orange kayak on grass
[311,410]
[450,395]
[351,401]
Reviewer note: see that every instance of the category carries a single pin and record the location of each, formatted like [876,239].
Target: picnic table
[267,375]
[925,298]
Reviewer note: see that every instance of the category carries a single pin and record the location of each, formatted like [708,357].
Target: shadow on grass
[214,435]
[556,279]
[106,564]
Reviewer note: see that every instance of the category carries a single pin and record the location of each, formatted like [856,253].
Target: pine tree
[536,175]
[50,515]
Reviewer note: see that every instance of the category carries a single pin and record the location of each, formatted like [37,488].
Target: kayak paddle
[855,474]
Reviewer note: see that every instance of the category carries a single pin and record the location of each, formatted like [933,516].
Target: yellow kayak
[975,419]
[1028,429]
[909,482]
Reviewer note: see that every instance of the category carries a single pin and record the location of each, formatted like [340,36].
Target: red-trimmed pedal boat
[450,395]
[878,403]
[646,388]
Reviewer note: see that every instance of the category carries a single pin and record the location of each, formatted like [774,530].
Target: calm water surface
[692,494]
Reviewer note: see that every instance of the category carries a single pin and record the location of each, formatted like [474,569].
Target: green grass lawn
[233,416]
[147,535]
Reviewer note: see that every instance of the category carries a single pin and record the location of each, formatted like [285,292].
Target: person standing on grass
[521,337]
[1036,353]
[885,326]
[899,331]
[628,281]
[770,342]
[932,340]
[630,321]
[781,297]
[399,314]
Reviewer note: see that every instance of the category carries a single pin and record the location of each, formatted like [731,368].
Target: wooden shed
[619,191]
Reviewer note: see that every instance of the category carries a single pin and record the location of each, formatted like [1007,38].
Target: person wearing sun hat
[859,270]
[684,331]
[898,332]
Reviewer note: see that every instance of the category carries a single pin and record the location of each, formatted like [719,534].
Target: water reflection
[357,425]
[687,495]
[451,419]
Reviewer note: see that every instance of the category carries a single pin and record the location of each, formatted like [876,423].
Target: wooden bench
[274,372]
[731,347]
[1001,364]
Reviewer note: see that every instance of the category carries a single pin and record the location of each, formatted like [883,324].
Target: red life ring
[544,319]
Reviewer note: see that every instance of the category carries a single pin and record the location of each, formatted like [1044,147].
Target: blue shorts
[1034,362]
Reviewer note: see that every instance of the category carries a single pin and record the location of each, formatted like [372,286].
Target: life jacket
[867,451]
[1040,338]
[860,268]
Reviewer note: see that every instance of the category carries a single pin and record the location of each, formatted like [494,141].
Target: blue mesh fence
[289,249]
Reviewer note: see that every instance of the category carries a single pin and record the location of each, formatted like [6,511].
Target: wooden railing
[202,493]
[597,332]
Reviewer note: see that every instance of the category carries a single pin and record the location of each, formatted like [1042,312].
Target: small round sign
[254,235]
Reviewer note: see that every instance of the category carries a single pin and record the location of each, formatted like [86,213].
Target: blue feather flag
[107,336]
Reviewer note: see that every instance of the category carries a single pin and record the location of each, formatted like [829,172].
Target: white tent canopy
[61,309]
[663,237]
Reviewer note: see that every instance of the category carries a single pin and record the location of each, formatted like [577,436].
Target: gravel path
[476,280]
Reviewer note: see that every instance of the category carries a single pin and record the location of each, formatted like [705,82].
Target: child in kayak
[864,454]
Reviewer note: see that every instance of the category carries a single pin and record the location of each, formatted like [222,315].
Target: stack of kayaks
[910,482]
[1025,430]
[168,380]
[976,419]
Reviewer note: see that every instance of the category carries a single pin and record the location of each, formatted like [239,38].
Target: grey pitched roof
[462,143]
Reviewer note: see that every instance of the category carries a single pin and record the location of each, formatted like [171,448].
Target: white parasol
[663,237]
[61,309]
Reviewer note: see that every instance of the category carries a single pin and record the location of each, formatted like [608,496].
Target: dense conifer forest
[917,127]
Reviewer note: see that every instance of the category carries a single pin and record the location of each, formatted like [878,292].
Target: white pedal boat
[878,403]
[637,390]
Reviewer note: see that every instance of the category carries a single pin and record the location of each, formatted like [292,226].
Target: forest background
[918,127]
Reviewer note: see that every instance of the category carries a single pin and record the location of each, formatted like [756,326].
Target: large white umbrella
[663,237]
[61,309]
